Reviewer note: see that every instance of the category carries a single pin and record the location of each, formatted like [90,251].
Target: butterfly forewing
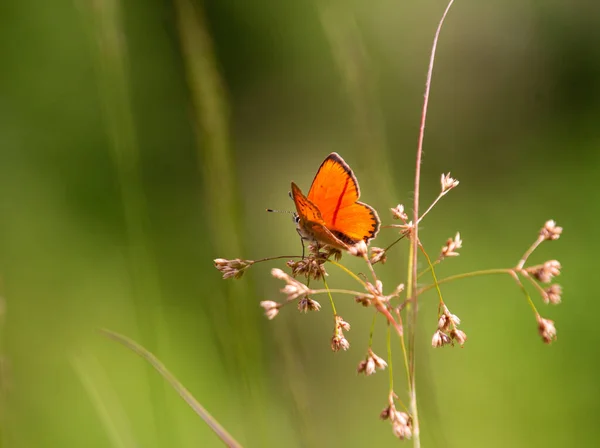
[334,187]
[335,193]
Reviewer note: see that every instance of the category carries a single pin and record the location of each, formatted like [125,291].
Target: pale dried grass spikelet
[447,319]
[364,300]
[378,255]
[330,251]
[342,324]
[232,268]
[443,322]
[310,267]
[339,341]
[401,425]
[448,183]
[362,366]
[359,249]
[459,336]
[399,213]
[553,294]
[545,272]
[293,288]
[371,363]
[551,231]
[271,308]
[375,289]
[451,247]
[440,339]
[306,304]
[401,421]
[447,330]
[375,292]
[546,329]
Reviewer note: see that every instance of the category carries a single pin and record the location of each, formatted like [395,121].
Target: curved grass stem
[175,384]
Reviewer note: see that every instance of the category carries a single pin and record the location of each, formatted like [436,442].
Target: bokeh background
[139,140]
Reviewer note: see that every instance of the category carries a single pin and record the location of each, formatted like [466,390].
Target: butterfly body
[331,213]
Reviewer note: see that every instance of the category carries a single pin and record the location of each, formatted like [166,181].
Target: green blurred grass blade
[181,390]
[105,400]
[105,19]
[357,73]
[230,313]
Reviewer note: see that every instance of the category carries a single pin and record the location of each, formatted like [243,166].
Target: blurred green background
[139,140]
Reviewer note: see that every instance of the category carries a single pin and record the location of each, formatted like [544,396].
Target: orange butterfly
[331,213]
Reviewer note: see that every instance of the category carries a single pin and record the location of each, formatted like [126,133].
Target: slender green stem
[329,291]
[412,311]
[520,283]
[435,281]
[432,205]
[366,258]
[274,258]
[533,282]
[426,270]
[395,242]
[338,291]
[529,251]
[508,271]
[349,272]
[404,357]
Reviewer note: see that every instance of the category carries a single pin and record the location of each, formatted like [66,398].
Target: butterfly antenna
[270,210]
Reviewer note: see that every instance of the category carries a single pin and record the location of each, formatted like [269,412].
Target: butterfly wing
[310,223]
[334,193]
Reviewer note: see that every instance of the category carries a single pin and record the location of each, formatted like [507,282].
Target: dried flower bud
[459,336]
[552,294]
[546,272]
[341,324]
[310,267]
[448,183]
[546,329]
[363,300]
[443,322]
[362,366]
[306,304]
[399,213]
[378,255]
[370,369]
[454,319]
[293,288]
[271,308]
[440,339]
[401,425]
[451,247]
[398,289]
[379,362]
[359,249]
[330,251]
[551,231]
[232,268]
[339,342]
[385,414]
[375,289]
[371,363]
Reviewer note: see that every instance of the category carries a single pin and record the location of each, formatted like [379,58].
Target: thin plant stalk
[412,306]
[175,384]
